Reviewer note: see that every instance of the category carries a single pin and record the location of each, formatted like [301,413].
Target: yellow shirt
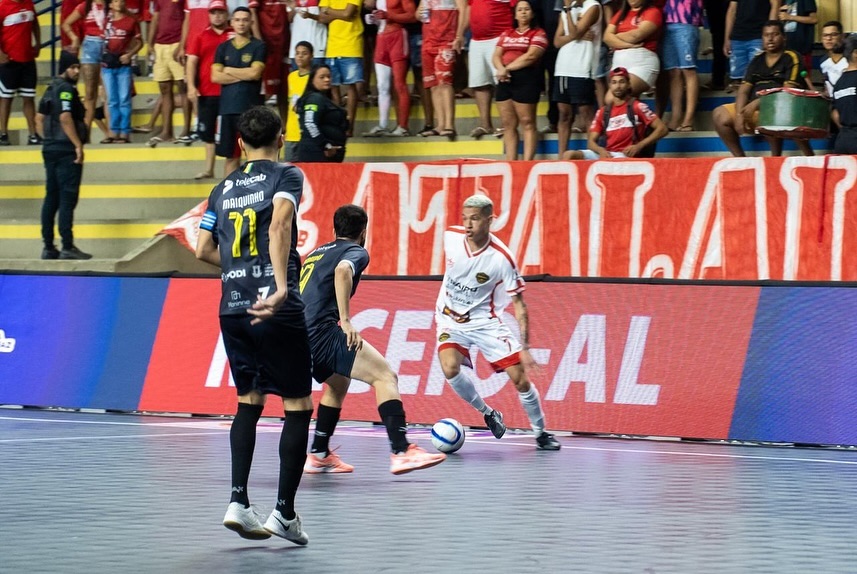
[297,85]
[344,39]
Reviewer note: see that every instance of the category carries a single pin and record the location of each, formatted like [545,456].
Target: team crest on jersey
[443,337]
[246,58]
[482,278]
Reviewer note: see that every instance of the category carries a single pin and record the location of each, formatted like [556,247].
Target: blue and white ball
[447,435]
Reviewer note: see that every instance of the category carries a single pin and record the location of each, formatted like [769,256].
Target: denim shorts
[742,52]
[345,71]
[91,50]
[415,43]
[679,47]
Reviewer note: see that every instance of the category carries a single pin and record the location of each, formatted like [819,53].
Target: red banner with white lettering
[707,218]
[660,360]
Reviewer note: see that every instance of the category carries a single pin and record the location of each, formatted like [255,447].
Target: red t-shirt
[17,20]
[273,23]
[620,131]
[170,20]
[632,22]
[139,9]
[119,33]
[95,21]
[196,12]
[515,44]
[489,18]
[204,46]
[66,9]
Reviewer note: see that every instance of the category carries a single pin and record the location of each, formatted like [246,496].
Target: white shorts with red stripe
[495,341]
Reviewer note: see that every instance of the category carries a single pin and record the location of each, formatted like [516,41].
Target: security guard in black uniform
[60,121]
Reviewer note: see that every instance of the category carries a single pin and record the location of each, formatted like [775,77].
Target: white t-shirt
[832,71]
[477,285]
[579,58]
[307,29]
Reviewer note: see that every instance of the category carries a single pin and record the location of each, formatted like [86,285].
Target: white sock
[383,75]
[533,407]
[465,389]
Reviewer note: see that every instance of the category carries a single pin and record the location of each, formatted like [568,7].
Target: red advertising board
[660,360]
[706,218]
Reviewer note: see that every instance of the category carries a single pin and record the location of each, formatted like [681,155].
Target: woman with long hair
[633,34]
[123,41]
[91,46]
[520,80]
[323,124]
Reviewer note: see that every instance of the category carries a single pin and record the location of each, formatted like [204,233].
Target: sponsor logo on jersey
[482,278]
[244,182]
[257,271]
[234,274]
[460,286]
[227,185]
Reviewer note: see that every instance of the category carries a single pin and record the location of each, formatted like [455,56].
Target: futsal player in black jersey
[329,279]
[250,230]
[845,102]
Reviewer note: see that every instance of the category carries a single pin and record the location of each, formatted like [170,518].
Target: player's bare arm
[343,282]
[523,318]
[206,250]
[280,242]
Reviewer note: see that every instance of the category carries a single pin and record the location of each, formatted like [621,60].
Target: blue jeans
[117,84]
[742,52]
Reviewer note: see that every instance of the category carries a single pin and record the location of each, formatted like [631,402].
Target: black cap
[67,60]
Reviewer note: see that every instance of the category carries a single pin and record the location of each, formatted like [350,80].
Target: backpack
[607,111]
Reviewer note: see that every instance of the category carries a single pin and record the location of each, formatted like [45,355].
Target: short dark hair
[306,45]
[775,24]
[850,47]
[260,127]
[349,221]
[242,9]
[835,23]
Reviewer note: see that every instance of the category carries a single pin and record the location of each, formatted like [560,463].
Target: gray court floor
[90,492]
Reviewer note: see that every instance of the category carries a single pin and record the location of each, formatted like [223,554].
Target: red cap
[620,71]
[217,5]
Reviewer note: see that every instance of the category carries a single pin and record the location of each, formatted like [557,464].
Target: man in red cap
[627,128]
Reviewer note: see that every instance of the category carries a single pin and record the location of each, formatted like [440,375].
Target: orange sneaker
[414,458]
[330,463]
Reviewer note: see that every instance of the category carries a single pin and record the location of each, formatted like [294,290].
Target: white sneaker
[399,132]
[289,529]
[376,132]
[245,521]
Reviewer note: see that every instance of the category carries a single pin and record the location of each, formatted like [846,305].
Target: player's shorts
[438,65]
[207,115]
[166,69]
[330,353]
[391,47]
[495,341]
[480,69]
[276,69]
[226,136]
[525,86]
[18,77]
[272,357]
[574,91]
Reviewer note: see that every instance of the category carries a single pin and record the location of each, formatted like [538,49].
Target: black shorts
[226,136]
[18,77]
[272,357]
[207,118]
[330,353]
[574,91]
[525,87]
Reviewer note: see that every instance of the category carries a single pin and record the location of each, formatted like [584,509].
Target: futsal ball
[447,435]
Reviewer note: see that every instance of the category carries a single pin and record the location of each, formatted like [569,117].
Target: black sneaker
[34,139]
[546,441]
[494,420]
[74,253]
[50,253]
[4,139]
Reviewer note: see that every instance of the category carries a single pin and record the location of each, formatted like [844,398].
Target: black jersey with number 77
[239,214]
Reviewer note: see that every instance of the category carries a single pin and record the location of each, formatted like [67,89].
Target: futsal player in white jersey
[481,276]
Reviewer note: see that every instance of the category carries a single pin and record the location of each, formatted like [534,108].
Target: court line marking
[348,432]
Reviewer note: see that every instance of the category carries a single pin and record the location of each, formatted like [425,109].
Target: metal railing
[52,6]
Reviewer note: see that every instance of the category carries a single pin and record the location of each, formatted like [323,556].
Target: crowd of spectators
[511,52]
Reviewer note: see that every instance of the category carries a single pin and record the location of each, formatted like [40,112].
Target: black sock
[293,441]
[242,441]
[393,416]
[325,424]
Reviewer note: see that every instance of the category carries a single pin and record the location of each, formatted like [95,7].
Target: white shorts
[591,155]
[641,62]
[495,341]
[480,70]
